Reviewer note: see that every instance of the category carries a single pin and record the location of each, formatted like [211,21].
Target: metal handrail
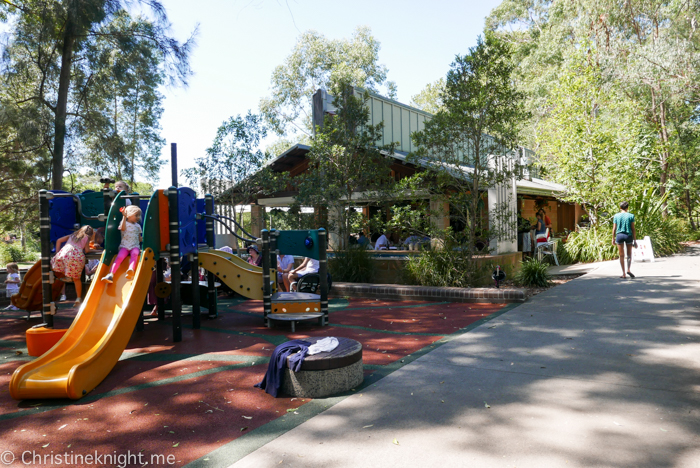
[216,218]
[236,223]
[100,217]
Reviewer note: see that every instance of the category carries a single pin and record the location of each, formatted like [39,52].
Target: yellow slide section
[236,273]
[94,342]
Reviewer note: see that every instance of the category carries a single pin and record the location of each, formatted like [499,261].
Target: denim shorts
[623,238]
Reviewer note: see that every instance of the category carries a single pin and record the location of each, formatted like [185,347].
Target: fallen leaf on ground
[395,442]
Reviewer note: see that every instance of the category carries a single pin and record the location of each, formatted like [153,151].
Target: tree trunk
[664,156]
[62,106]
[133,139]
[689,204]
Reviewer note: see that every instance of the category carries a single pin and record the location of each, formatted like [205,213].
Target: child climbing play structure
[174,221]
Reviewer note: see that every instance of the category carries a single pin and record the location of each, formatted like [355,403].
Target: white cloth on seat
[324,345]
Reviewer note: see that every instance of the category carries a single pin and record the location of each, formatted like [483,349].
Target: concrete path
[598,372]
[580,268]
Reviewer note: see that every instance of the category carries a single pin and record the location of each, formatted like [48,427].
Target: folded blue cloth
[272,381]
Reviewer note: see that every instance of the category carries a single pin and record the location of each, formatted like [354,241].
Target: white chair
[547,248]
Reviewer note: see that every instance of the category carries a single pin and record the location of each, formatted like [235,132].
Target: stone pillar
[257,219]
[503,209]
[333,228]
[439,218]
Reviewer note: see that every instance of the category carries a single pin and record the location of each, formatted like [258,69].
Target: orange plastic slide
[29,295]
[93,343]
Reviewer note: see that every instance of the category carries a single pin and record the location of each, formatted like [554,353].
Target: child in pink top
[131,238]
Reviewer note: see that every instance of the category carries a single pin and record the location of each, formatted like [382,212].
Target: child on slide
[131,238]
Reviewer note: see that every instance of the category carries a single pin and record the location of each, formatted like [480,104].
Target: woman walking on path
[624,234]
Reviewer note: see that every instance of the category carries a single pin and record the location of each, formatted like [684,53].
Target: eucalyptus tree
[481,116]
[119,129]
[590,139]
[685,172]
[650,49]
[318,62]
[345,161]
[429,98]
[48,43]
[233,169]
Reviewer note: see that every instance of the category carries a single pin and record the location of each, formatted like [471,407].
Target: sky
[241,42]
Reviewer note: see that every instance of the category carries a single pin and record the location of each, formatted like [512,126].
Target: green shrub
[533,273]
[10,253]
[591,245]
[562,254]
[595,245]
[14,253]
[441,267]
[354,265]
[30,256]
[666,234]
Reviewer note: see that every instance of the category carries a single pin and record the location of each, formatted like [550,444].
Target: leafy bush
[666,234]
[441,267]
[562,254]
[354,265]
[10,253]
[692,235]
[14,253]
[591,245]
[533,273]
[30,256]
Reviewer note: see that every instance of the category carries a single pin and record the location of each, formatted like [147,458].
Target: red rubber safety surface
[186,399]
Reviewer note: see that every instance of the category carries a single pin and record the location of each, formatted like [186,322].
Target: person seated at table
[413,242]
[307,267]
[254,257]
[362,240]
[382,242]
